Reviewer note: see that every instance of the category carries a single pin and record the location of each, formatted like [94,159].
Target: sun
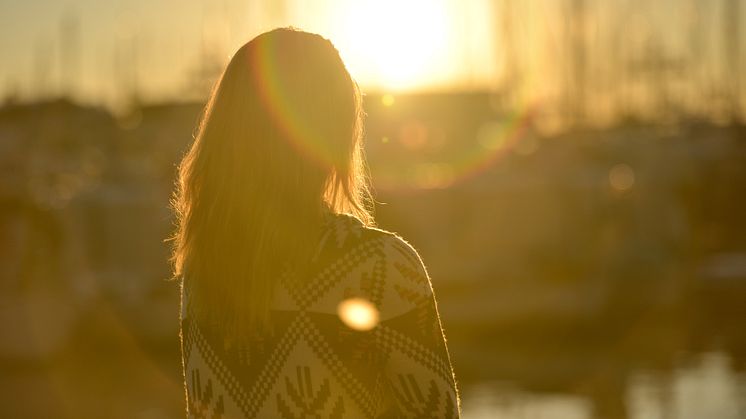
[393,45]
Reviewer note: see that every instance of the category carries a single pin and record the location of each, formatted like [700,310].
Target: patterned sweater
[313,365]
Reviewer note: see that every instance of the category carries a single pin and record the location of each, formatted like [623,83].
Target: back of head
[278,145]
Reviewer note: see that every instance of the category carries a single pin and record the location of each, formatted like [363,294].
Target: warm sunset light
[358,314]
[515,209]
[399,44]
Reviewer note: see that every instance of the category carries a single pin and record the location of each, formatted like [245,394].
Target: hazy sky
[102,49]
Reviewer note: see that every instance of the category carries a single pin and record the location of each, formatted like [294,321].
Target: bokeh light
[388,100]
[358,314]
[621,177]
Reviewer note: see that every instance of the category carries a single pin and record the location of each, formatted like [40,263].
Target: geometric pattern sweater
[312,365]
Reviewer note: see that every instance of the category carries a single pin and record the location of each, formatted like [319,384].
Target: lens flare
[413,135]
[358,314]
[494,140]
[282,109]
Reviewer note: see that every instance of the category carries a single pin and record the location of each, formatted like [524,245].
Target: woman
[293,305]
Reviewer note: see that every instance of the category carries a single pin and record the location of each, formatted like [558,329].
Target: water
[706,387]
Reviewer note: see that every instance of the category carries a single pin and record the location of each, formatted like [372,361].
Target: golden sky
[102,51]
[102,47]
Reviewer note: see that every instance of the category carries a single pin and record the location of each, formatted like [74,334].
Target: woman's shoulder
[390,271]
[345,231]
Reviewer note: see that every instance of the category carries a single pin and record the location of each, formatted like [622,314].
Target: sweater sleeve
[418,373]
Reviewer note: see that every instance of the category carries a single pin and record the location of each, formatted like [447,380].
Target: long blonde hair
[279,143]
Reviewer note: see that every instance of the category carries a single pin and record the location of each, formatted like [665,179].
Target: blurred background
[572,172]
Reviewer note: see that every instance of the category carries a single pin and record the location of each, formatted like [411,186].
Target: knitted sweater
[313,365]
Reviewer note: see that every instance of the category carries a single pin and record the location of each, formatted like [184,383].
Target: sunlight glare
[397,43]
